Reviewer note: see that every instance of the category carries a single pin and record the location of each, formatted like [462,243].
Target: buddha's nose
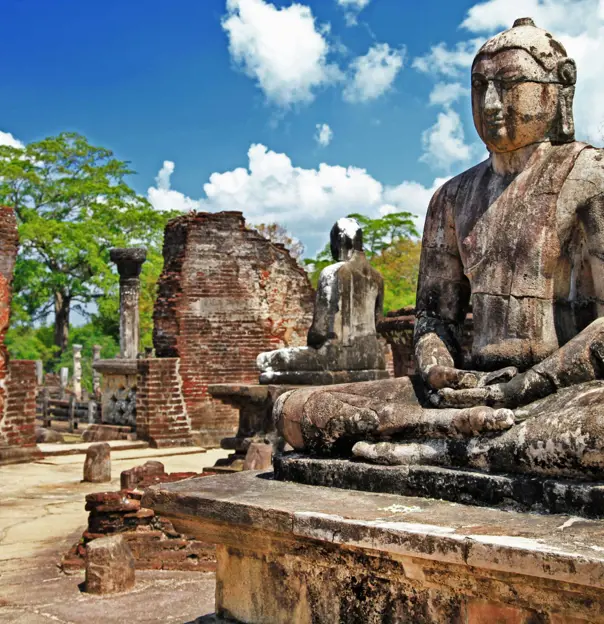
[492,101]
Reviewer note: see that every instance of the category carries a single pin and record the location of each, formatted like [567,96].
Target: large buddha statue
[520,237]
[342,342]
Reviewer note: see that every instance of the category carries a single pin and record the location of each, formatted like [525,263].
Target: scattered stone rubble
[153,541]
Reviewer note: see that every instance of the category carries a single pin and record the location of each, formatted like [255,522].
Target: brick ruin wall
[397,328]
[161,413]
[225,295]
[17,378]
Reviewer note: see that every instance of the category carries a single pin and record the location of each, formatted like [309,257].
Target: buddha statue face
[522,89]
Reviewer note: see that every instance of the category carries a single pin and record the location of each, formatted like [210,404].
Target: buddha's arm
[443,295]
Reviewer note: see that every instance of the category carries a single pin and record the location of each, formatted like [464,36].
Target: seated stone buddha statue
[342,341]
[520,237]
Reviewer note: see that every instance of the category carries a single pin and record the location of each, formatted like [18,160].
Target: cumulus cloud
[323,135]
[6,138]
[446,93]
[306,201]
[282,49]
[373,73]
[163,198]
[352,8]
[450,62]
[444,143]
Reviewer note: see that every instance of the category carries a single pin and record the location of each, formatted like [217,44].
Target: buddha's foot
[473,421]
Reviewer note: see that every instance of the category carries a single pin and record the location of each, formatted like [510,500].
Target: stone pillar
[129,264]
[77,371]
[64,380]
[40,372]
[96,376]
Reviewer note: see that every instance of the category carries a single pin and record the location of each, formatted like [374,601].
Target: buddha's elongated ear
[567,74]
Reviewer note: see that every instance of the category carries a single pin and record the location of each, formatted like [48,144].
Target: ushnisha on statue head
[523,84]
[345,238]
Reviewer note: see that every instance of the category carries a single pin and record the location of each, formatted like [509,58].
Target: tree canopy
[73,205]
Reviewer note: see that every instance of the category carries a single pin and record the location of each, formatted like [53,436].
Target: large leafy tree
[72,205]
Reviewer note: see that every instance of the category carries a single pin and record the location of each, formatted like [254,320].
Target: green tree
[72,205]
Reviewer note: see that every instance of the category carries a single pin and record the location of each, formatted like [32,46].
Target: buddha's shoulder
[449,189]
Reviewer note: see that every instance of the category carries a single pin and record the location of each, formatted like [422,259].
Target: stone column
[77,371]
[64,379]
[129,264]
[96,376]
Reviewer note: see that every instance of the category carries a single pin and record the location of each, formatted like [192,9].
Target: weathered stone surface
[520,237]
[109,566]
[289,552]
[129,479]
[343,345]
[259,456]
[506,491]
[97,465]
[226,294]
[129,265]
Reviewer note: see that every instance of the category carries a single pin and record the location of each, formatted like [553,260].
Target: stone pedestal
[118,391]
[296,553]
[255,405]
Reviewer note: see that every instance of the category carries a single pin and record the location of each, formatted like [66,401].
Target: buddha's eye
[479,82]
[511,80]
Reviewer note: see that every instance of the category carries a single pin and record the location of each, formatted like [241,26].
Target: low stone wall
[18,423]
[161,413]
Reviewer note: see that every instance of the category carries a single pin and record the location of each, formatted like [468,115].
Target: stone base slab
[518,492]
[296,553]
[18,454]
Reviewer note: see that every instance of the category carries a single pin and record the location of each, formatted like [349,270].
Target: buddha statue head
[523,85]
[345,238]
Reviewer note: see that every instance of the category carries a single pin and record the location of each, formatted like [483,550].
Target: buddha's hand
[440,377]
[521,389]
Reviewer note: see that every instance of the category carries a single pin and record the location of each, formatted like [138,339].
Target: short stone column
[77,371]
[64,380]
[129,264]
[96,375]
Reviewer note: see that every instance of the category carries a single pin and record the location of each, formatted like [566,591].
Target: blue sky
[185,89]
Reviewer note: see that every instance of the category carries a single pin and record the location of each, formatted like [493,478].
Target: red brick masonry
[225,295]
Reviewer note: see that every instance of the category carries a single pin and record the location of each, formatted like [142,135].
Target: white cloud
[6,138]
[373,73]
[445,93]
[324,135]
[163,198]
[449,62]
[282,49]
[306,201]
[352,8]
[444,143]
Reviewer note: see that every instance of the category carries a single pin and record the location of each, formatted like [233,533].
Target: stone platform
[507,491]
[296,553]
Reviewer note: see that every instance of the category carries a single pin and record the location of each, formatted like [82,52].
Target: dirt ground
[42,514]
